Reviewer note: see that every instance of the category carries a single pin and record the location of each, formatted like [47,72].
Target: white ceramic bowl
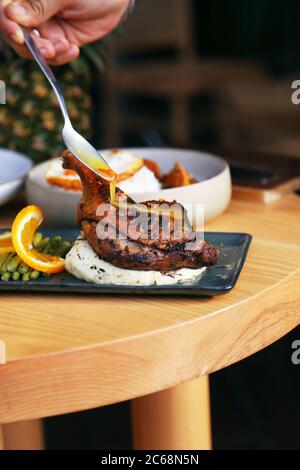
[213,190]
[13,168]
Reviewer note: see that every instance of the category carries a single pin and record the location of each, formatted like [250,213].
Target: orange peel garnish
[23,230]
[6,245]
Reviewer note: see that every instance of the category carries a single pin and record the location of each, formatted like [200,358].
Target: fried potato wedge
[178,176]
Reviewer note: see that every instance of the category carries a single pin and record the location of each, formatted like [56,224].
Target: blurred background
[207,75]
[180,72]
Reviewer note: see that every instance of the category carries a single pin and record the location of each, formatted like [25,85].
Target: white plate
[213,190]
[13,168]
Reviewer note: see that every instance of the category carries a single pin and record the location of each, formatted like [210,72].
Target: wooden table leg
[24,435]
[174,419]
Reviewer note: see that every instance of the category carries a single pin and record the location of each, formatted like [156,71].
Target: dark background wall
[265,29]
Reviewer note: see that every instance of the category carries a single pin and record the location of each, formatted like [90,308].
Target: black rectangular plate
[217,279]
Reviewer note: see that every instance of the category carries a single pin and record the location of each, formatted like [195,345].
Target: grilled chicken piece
[167,243]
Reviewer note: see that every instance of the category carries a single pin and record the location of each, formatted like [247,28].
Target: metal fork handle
[47,72]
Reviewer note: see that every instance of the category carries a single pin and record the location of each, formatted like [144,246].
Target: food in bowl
[135,174]
[212,191]
[178,176]
[128,243]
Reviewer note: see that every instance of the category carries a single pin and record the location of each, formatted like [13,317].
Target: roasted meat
[155,235]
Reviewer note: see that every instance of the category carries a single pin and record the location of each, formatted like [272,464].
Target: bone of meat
[173,247]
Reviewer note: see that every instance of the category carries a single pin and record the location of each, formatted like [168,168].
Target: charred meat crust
[142,252]
[128,254]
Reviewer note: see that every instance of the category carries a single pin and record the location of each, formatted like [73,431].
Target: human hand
[64,25]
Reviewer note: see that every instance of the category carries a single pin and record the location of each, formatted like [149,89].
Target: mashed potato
[83,263]
[143,180]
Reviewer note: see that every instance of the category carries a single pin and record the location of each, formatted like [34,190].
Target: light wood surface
[72,352]
[266,196]
[175,419]
[2,353]
[24,435]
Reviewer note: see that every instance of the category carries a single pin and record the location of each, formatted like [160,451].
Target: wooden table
[75,352]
